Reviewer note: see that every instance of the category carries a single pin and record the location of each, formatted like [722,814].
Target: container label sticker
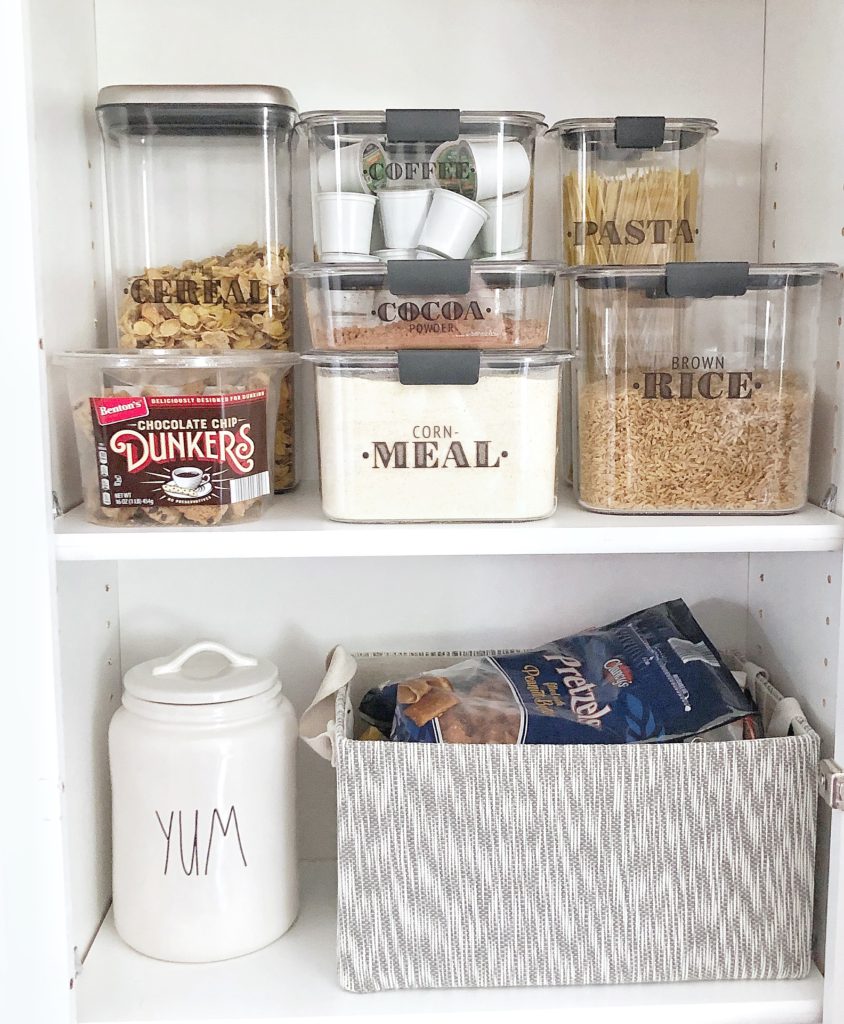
[181,450]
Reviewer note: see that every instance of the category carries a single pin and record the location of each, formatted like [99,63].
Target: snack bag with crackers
[651,677]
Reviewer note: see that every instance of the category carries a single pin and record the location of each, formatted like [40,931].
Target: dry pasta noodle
[623,219]
[693,455]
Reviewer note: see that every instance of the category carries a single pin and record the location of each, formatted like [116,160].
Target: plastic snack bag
[651,677]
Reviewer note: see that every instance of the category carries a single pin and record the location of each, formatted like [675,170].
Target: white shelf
[294,980]
[294,527]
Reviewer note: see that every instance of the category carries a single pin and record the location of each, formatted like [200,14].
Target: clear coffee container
[199,217]
[428,304]
[694,385]
[443,183]
[631,188]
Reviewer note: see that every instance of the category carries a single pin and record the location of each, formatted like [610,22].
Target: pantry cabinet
[84,603]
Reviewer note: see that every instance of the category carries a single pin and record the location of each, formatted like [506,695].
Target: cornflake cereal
[645,454]
[235,302]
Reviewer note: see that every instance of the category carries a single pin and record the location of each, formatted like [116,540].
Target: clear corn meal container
[694,385]
[198,180]
[631,188]
[428,304]
[429,184]
[438,436]
[169,438]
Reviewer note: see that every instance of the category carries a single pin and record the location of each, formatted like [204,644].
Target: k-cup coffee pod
[452,225]
[345,221]
[353,168]
[403,213]
[481,170]
[395,254]
[505,229]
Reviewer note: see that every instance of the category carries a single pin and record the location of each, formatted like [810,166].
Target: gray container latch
[639,132]
[705,280]
[429,277]
[439,366]
[423,125]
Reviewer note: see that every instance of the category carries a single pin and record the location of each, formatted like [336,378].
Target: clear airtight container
[172,438]
[694,385]
[428,304]
[446,183]
[433,436]
[199,215]
[631,188]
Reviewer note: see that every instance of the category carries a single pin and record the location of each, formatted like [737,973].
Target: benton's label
[179,450]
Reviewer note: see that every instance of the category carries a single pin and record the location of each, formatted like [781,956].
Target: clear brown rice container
[694,385]
[428,304]
[174,439]
[631,188]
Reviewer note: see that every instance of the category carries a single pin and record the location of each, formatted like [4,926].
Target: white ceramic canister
[203,773]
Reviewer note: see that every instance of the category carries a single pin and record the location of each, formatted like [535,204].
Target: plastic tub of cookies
[428,304]
[174,439]
[198,181]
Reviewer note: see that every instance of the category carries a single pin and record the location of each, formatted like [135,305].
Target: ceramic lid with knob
[202,673]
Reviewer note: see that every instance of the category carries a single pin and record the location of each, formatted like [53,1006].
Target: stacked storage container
[438,398]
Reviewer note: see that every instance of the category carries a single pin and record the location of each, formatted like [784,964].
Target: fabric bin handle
[316,727]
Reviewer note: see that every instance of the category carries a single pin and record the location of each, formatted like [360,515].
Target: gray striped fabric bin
[472,866]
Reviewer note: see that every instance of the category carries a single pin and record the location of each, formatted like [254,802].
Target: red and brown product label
[180,450]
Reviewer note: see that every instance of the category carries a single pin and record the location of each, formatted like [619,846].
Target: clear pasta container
[173,438]
[445,183]
[435,436]
[428,304]
[631,188]
[198,179]
[694,385]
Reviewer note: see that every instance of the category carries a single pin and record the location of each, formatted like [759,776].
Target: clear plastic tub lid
[700,280]
[642,132]
[500,274]
[391,360]
[182,109]
[369,121]
[176,359]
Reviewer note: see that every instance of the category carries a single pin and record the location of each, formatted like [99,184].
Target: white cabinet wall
[90,602]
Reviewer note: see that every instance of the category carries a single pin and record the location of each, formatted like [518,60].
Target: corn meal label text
[434,454]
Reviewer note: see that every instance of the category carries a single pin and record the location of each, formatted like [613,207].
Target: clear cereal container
[445,183]
[173,438]
[438,436]
[631,188]
[428,304]
[198,179]
[694,385]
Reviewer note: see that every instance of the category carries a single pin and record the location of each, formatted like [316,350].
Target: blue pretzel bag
[650,677]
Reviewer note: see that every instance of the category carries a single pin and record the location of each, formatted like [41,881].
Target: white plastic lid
[202,673]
